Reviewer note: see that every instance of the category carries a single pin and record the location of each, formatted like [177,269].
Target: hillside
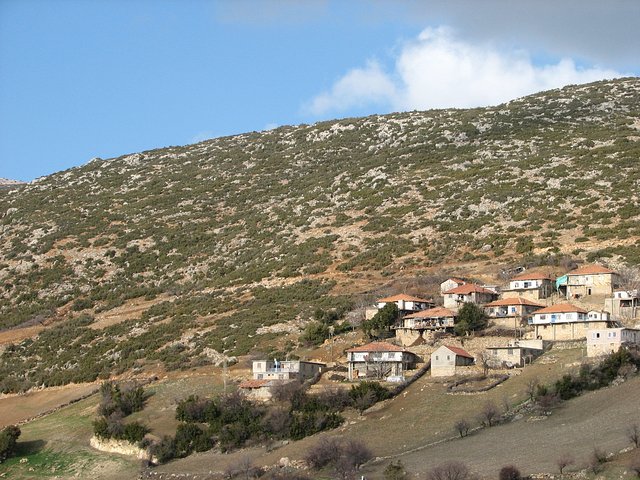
[209,242]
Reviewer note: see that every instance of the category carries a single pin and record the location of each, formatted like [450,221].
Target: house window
[543,317]
[596,335]
[260,376]
[437,357]
[510,351]
[448,357]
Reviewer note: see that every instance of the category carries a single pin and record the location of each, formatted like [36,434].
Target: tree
[452,470]
[633,434]
[462,426]
[382,321]
[484,360]
[532,386]
[509,472]
[471,318]
[489,414]
[564,461]
[8,439]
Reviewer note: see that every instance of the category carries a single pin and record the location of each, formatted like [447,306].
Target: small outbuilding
[446,358]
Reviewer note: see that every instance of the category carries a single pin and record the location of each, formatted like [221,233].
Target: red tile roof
[532,276]
[590,270]
[469,288]
[404,297]
[377,347]
[432,313]
[513,301]
[459,351]
[560,308]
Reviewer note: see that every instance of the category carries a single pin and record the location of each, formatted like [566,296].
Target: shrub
[395,471]
[633,434]
[489,414]
[8,439]
[365,394]
[326,451]
[509,472]
[452,470]
[164,450]
[191,437]
[564,461]
[462,426]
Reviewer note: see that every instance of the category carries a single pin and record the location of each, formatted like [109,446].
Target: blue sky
[84,79]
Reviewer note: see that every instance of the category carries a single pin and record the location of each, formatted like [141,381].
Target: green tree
[8,438]
[382,321]
[471,318]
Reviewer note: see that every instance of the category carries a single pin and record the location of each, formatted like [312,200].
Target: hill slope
[227,235]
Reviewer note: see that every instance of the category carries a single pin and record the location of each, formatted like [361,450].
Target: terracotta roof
[531,276]
[432,313]
[561,308]
[457,280]
[376,347]
[459,351]
[253,383]
[469,288]
[590,270]
[402,296]
[513,301]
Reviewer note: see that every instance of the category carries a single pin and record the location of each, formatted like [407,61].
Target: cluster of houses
[537,307]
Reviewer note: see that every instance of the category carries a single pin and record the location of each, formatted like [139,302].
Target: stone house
[412,328]
[532,286]
[467,293]
[445,359]
[603,341]
[511,312]
[587,281]
[515,354]
[379,360]
[258,389]
[563,322]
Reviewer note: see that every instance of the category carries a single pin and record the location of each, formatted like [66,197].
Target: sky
[81,79]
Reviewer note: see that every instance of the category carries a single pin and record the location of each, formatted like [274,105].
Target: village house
[623,304]
[516,354]
[467,293]
[258,389]
[406,304]
[451,283]
[446,359]
[412,328]
[532,286]
[563,322]
[511,312]
[379,360]
[286,370]
[588,280]
[603,341]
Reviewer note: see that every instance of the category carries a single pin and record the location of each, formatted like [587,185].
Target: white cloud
[439,70]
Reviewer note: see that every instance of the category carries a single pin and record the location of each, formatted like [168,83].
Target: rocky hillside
[226,236]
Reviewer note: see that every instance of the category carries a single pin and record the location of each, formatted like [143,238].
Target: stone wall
[120,446]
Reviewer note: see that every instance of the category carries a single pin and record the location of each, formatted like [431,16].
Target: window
[260,376]
[437,357]
[510,351]
[448,357]
[596,335]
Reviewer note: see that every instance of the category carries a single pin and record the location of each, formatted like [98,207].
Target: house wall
[564,317]
[621,307]
[287,369]
[529,294]
[448,285]
[566,331]
[585,285]
[444,362]
[609,340]
[409,336]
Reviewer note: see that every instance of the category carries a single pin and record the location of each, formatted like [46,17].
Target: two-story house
[533,286]
[412,328]
[588,280]
[379,360]
[511,312]
[564,322]
[467,293]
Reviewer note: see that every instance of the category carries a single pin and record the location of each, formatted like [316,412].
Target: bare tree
[633,434]
[484,360]
[635,466]
[564,461]
[462,426]
[244,469]
[489,414]
[509,472]
[357,452]
[326,451]
[532,387]
[597,459]
[452,470]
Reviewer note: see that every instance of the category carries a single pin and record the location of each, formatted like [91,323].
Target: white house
[406,303]
[285,369]
[413,328]
[603,341]
[445,359]
[563,321]
[379,360]
[533,286]
[588,280]
[467,293]
[510,312]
